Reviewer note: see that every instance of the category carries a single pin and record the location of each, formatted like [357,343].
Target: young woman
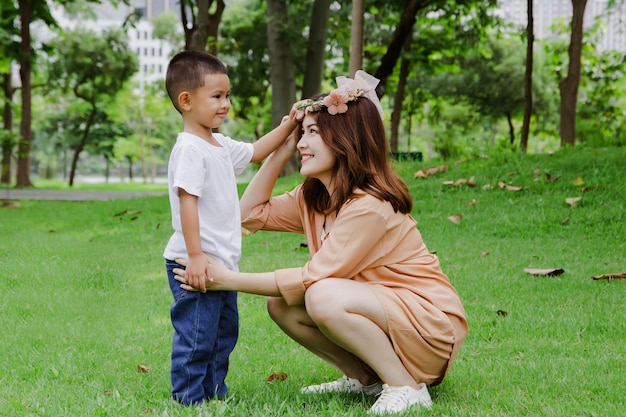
[372,301]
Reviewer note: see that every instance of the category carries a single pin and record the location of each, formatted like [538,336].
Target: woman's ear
[184,101]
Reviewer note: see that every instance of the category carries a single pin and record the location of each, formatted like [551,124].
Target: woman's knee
[322,303]
[276,307]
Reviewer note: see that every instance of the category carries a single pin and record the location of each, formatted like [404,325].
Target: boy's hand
[197,272]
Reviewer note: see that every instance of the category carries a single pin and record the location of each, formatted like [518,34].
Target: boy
[207,221]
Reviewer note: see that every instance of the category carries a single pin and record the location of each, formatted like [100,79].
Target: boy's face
[208,106]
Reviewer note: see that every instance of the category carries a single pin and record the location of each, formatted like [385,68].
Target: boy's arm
[259,190]
[197,271]
[272,140]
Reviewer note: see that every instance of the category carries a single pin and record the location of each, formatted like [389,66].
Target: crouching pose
[372,301]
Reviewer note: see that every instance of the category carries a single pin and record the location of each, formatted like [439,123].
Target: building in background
[547,11]
[153,54]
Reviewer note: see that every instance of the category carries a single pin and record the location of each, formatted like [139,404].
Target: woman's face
[318,160]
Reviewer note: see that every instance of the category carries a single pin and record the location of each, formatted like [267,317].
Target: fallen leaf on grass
[565,221]
[502,313]
[470,182]
[578,181]
[472,202]
[277,376]
[550,272]
[485,253]
[144,369]
[610,276]
[108,392]
[508,187]
[550,178]
[127,213]
[455,218]
[430,171]
[572,201]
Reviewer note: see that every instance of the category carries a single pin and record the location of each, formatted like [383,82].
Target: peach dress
[370,243]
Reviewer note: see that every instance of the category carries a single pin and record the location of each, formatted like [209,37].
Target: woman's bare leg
[297,324]
[344,321]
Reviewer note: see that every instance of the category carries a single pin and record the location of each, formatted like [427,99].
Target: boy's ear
[184,100]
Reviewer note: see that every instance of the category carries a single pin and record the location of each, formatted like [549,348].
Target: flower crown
[336,102]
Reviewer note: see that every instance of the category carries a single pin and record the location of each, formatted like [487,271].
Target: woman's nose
[301,143]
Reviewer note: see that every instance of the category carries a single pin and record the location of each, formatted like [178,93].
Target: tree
[490,78]
[282,75]
[281,60]
[316,49]
[356,36]
[94,67]
[528,77]
[442,29]
[568,87]
[9,52]
[29,11]
[402,30]
[202,25]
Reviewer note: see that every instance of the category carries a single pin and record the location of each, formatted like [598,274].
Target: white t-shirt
[208,172]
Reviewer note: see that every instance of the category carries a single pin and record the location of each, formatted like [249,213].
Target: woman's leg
[343,322]
[297,324]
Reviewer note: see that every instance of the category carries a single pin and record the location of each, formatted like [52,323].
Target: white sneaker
[397,399]
[345,385]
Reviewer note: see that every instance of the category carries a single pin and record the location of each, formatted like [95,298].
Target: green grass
[85,300]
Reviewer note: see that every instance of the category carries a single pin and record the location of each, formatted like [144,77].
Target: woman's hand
[217,278]
[292,140]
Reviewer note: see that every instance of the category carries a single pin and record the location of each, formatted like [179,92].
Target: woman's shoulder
[362,200]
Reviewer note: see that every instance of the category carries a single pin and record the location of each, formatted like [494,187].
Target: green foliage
[166,26]
[94,67]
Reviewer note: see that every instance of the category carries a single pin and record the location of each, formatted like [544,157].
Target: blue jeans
[206,327]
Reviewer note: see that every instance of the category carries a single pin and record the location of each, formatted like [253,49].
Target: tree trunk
[282,76]
[528,78]
[509,119]
[568,86]
[405,66]
[81,145]
[201,35]
[24,145]
[403,29]
[7,123]
[316,49]
[356,36]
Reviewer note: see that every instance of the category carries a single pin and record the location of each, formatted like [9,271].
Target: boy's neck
[205,134]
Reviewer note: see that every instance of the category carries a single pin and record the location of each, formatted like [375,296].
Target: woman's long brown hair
[359,142]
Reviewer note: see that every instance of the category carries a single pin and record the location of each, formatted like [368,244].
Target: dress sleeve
[352,245]
[280,214]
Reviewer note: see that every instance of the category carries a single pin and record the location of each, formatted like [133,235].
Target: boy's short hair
[186,72]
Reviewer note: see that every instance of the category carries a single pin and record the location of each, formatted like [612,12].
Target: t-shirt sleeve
[240,153]
[189,171]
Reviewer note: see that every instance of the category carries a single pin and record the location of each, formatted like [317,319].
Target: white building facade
[546,12]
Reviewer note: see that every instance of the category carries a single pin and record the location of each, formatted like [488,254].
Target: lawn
[85,301]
